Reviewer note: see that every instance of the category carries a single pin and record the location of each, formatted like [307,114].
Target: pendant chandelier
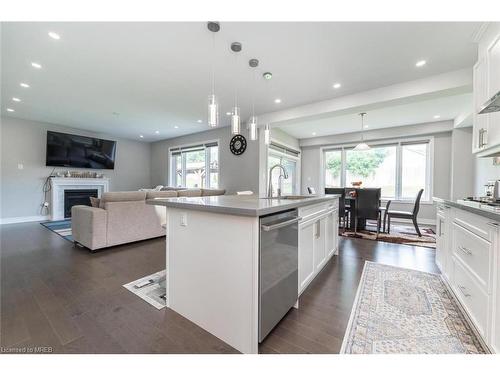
[253,130]
[362,146]
[235,116]
[213,106]
[267,129]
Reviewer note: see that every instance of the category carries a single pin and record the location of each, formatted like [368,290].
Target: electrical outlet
[184,220]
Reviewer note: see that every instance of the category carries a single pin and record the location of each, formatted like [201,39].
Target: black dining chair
[367,206]
[406,214]
[343,212]
[384,212]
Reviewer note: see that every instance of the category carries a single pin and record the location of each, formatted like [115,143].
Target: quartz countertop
[475,208]
[243,205]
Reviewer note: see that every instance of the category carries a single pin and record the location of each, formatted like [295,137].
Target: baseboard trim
[23,219]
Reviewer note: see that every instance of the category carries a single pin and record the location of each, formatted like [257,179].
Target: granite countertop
[243,205]
[478,209]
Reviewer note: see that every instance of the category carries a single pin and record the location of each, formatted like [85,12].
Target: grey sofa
[124,217]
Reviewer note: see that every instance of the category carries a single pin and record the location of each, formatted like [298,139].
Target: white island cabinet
[468,255]
[217,249]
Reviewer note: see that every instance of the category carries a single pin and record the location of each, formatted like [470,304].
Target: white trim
[23,219]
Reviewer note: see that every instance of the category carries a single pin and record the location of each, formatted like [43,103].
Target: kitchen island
[236,264]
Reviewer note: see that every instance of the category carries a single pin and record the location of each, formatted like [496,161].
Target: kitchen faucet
[270,188]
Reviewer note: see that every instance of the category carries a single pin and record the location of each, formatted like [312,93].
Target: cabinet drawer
[471,295]
[476,224]
[474,252]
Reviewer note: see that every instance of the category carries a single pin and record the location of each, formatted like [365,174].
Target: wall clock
[238,144]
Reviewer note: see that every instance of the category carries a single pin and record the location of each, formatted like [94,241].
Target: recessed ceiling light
[157,132]
[228,113]
[176,127]
[313,133]
[336,85]
[199,121]
[420,63]
[141,136]
[16,99]
[25,85]
[277,101]
[54,35]
[36,65]
[437,116]
[10,110]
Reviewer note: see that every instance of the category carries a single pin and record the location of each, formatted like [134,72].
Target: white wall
[462,164]
[24,142]
[312,168]
[237,173]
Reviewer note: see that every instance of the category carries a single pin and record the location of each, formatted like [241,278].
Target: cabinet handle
[465,250]
[463,289]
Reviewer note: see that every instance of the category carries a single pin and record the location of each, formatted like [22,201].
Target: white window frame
[279,154]
[172,170]
[429,183]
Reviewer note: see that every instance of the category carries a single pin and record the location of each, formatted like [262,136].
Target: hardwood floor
[67,299]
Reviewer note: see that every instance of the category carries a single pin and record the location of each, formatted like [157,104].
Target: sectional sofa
[123,217]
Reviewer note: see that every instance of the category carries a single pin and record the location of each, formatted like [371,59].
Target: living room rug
[60,227]
[403,311]
[151,289]
[400,234]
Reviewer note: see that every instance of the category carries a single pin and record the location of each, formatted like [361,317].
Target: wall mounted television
[77,151]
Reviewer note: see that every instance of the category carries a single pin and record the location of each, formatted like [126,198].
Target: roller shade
[284,150]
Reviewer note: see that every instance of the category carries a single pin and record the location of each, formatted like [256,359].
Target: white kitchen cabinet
[320,243]
[493,57]
[318,240]
[480,95]
[306,256]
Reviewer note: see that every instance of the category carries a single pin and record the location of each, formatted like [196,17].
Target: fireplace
[73,197]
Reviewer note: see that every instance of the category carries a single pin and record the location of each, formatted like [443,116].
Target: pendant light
[235,117]
[213,106]
[253,130]
[267,135]
[362,146]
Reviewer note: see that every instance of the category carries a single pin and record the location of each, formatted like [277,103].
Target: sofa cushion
[94,202]
[161,194]
[189,193]
[122,196]
[211,192]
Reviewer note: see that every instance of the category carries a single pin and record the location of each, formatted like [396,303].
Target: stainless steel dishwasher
[278,268]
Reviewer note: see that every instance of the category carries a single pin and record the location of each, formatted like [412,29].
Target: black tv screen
[76,151]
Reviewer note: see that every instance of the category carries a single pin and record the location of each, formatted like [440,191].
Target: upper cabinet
[486,73]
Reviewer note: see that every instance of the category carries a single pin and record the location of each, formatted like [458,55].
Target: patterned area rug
[402,311]
[400,234]
[151,289]
[60,227]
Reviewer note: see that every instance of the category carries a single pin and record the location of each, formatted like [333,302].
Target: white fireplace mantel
[60,184]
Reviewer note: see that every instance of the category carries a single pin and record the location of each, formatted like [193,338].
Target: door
[319,243]
[306,254]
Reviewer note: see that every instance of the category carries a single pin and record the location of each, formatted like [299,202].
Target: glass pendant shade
[235,121]
[213,111]
[362,147]
[253,131]
[267,135]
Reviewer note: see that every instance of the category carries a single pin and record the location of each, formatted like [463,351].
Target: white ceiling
[420,111]
[157,75]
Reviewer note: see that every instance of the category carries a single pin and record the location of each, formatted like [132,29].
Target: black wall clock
[238,144]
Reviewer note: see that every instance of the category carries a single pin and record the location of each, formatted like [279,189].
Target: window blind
[284,150]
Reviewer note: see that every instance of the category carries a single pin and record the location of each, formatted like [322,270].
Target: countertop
[485,212]
[242,205]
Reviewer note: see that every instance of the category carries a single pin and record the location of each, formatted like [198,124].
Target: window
[400,169]
[189,166]
[289,159]
[376,167]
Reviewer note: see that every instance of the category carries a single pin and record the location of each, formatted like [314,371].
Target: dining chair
[343,212]
[383,213]
[406,214]
[367,206]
